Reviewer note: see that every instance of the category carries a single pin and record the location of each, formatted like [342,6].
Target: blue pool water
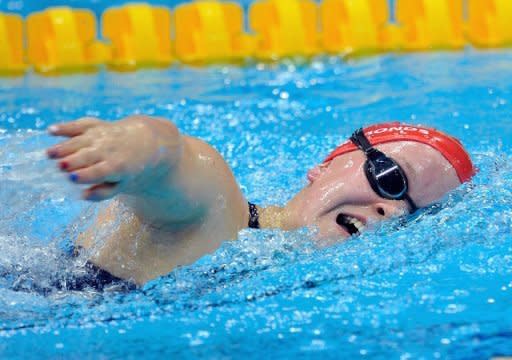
[439,288]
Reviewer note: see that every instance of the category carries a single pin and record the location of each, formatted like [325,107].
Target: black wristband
[254,218]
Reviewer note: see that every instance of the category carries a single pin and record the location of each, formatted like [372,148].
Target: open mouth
[352,225]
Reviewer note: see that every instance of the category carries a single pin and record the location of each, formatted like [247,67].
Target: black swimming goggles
[385,176]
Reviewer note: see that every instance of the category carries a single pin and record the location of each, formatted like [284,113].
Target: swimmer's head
[383,171]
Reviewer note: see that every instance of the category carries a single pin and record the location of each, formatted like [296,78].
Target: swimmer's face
[340,202]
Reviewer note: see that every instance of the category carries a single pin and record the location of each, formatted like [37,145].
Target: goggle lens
[385,176]
[389,178]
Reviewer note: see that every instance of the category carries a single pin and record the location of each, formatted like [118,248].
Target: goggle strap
[412,205]
[360,140]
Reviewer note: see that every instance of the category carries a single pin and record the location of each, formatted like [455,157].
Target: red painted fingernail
[64,165]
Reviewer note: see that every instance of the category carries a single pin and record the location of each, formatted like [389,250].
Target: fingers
[81,159]
[74,128]
[101,174]
[101,191]
[97,173]
[68,147]
[85,164]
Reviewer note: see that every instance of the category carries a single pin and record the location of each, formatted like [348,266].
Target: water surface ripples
[438,288]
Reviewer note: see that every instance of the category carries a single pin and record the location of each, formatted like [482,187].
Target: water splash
[438,287]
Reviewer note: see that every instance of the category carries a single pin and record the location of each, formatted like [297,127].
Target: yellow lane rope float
[357,26]
[11,45]
[489,23]
[211,31]
[139,35]
[430,24]
[61,39]
[284,28]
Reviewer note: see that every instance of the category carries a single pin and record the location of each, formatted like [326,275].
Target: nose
[386,210]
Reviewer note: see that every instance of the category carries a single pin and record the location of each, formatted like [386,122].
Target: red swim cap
[448,146]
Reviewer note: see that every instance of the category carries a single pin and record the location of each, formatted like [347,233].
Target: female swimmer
[186,202]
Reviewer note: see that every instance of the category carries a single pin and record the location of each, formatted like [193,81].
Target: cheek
[329,230]
[317,198]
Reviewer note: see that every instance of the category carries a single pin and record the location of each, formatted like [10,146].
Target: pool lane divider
[284,28]
[489,23]
[357,27]
[62,40]
[11,45]
[430,24]
[139,36]
[211,31]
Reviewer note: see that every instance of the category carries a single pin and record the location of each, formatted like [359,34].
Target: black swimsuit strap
[254,218]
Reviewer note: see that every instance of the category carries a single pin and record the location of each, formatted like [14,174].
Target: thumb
[101,191]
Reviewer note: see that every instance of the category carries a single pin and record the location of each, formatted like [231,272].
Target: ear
[317,172]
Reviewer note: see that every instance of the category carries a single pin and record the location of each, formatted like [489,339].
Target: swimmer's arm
[199,186]
[170,180]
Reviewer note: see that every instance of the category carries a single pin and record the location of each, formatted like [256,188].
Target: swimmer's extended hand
[172,181]
[127,156]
